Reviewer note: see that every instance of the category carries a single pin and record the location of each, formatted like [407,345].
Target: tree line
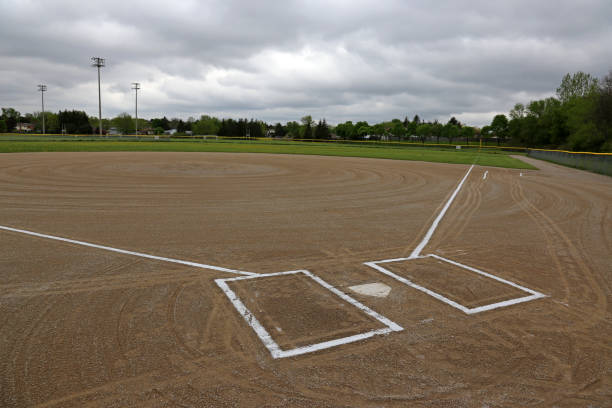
[578,118]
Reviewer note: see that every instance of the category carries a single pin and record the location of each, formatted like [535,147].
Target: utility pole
[43,89]
[99,62]
[136,87]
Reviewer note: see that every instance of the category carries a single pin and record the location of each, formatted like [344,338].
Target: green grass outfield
[430,154]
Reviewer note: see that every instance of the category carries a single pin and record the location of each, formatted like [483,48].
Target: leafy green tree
[363,131]
[307,126]
[378,130]
[423,131]
[437,130]
[51,122]
[360,124]
[576,86]
[124,123]
[467,132]
[602,111]
[206,125]
[518,112]
[10,117]
[485,132]
[499,126]
[347,130]
[163,123]
[293,129]
[411,128]
[398,130]
[2,126]
[450,131]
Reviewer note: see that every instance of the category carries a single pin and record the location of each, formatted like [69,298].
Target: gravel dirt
[84,327]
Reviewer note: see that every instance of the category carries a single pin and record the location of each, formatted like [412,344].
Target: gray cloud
[280,60]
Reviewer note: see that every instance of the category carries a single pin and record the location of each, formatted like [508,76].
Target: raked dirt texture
[81,326]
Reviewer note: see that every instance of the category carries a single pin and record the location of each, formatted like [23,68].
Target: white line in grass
[269,342]
[434,225]
[123,251]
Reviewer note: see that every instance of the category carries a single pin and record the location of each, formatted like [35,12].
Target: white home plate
[372,289]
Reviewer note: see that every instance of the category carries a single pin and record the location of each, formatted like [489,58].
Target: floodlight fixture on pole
[43,89]
[99,62]
[136,87]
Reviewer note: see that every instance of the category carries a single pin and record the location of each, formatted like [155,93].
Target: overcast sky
[281,60]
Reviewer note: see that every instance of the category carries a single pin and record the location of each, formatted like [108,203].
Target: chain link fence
[595,162]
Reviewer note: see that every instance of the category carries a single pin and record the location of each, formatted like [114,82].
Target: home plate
[372,289]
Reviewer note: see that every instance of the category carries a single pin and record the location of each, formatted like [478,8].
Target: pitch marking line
[123,251]
[434,225]
[533,294]
[269,342]
[416,254]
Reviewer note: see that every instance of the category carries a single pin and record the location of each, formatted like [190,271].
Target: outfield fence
[595,162]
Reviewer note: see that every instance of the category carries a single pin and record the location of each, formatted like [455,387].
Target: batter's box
[463,287]
[298,313]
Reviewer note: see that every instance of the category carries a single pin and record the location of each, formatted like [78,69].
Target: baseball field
[213,279]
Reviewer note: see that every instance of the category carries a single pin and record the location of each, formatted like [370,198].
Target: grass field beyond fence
[439,155]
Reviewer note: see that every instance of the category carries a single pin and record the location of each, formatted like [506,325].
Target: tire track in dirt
[546,231]
[121,334]
[190,352]
[20,355]
[570,262]
[96,284]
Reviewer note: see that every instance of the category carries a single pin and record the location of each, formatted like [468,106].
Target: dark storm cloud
[280,60]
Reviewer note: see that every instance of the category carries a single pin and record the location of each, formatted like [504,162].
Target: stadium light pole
[99,62]
[43,89]
[136,87]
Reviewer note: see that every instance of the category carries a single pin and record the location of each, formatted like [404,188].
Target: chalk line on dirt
[532,293]
[124,251]
[269,342]
[434,225]
[416,254]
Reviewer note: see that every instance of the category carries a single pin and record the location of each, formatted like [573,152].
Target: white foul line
[419,248]
[416,254]
[269,342]
[123,251]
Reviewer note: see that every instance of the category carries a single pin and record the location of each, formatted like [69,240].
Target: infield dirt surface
[85,327]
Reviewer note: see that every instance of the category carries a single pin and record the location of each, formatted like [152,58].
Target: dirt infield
[88,327]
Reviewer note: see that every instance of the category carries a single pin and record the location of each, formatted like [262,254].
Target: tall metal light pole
[99,62]
[136,87]
[43,89]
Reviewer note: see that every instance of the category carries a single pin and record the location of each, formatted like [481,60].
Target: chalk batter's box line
[533,294]
[267,339]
